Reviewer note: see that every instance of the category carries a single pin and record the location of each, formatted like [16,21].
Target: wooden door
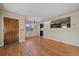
[11,30]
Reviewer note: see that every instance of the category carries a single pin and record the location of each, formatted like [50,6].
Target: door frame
[4,28]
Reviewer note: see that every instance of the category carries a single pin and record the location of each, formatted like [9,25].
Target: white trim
[62,42]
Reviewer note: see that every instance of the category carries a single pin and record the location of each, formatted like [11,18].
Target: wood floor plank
[39,46]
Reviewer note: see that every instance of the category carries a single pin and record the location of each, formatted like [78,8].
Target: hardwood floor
[39,46]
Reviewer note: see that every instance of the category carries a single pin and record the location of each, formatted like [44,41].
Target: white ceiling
[40,11]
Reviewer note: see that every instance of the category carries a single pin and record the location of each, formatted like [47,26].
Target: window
[29,27]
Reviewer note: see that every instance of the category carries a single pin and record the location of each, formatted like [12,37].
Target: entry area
[11,30]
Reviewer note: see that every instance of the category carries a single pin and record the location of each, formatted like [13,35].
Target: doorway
[11,31]
[41,33]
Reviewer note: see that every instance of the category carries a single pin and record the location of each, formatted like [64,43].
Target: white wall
[1,30]
[35,32]
[66,35]
[21,25]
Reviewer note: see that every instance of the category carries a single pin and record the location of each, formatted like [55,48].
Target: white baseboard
[72,44]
